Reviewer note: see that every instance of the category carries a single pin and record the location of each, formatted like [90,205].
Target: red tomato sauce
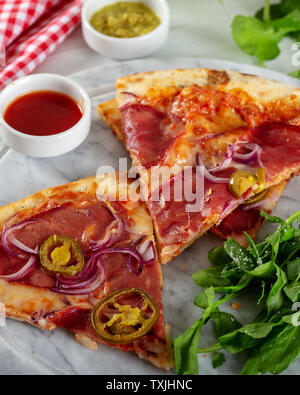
[43,113]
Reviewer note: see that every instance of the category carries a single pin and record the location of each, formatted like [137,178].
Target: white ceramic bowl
[125,48]
[45,146]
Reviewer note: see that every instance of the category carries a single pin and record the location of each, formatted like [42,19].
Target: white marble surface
[29,350]
[198,28]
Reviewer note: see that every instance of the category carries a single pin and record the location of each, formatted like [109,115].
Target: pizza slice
[239,129]
[245,218]
[78,258]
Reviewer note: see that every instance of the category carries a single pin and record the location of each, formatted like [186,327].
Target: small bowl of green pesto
[125,29]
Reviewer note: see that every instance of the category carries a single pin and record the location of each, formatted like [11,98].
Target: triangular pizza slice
[79,259]
[241,130]
[245,218]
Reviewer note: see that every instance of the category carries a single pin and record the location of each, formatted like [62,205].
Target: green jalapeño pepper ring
[61,255]
[125,324]
[257,198]
[241,180]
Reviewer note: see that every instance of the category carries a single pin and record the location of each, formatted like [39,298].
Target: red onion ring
[253,156]
[133,253]
[232,155]
[8,240]
[144,252]
[207,175]
[147,251]
[110,237]
[131,99]
[86,286]
[87,272]
[26,269]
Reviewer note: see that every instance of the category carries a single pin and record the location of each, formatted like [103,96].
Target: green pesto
[125,20]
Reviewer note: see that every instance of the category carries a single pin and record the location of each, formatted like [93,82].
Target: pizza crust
[260,89]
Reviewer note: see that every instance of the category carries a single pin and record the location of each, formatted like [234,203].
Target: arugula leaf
[295,74]
[293,269]
[273,267]
[224,323]
[276,354]
[256,38]
[218,360]
[185,349]
[263,284]
[270,218]
[211,277]
[279,10]
[260,35]
[266,270]
[243,259]
[218,257]
[186,345]
[275,299]
[245,337]
[288,24]
[292,290]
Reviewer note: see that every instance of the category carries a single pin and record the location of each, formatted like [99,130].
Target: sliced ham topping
[239,221]
[280,157]
[174,223]
[281,147]
[67,220]
[73,318]
[150,134]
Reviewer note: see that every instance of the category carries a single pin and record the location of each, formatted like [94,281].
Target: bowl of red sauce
[44,115]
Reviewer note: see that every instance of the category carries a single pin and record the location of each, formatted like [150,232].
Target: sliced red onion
[253,156]
[112,234]
[9,240]
[26,269]
[230,206]
[129,94]
[83,284]
[84,287]
[207,175]
[147,251]
[232,155]
[86,273]
[136,269]
[223,165]
[15,242]
[100,245]
[131,99]
[141,259]
[125,250]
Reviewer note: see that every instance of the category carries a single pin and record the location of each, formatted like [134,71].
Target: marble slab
[29,350]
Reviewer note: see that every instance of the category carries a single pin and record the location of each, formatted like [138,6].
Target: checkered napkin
[30,30]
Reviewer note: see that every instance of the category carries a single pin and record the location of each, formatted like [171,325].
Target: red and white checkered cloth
[30,30]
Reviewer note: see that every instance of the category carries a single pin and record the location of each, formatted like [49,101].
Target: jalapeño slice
[257,198]
[61,255]
[241,180]
[119,323]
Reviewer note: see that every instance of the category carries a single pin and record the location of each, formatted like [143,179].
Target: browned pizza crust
[283,98]
[261,90]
